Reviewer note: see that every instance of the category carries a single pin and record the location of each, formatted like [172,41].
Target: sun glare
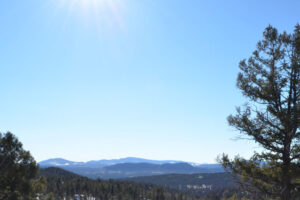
[86,5]
[108,12]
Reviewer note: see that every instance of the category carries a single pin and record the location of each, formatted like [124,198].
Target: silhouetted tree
[270,79]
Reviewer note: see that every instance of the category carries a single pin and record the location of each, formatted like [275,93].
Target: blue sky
[93,79]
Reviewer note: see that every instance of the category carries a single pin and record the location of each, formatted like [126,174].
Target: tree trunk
[286,179]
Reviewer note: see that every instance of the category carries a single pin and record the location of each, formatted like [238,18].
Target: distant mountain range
[102,163]
[130,167]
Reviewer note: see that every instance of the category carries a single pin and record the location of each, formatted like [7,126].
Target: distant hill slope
[63,184]
[53,172]
[198,184]
[133,167]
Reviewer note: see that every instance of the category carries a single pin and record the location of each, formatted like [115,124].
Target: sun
[86,5]
[109,12]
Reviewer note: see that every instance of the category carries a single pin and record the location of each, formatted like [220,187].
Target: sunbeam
[103,12]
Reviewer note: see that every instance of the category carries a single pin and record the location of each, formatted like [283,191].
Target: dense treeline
[63,184]
[196,184]
[229,193]
[208,186]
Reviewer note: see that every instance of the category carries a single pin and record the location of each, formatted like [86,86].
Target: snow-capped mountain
[102,163]
[56,162]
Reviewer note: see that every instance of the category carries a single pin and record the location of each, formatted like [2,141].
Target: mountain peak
[58,162]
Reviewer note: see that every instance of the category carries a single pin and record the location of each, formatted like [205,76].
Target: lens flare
[103,12]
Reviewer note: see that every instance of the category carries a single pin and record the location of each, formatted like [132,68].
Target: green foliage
[18,171]
[229,192]
[234,197]
[270,79]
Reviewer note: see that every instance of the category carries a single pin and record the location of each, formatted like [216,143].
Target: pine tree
[18,170]
[270,79]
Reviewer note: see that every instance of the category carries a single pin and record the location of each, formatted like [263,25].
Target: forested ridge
[197,184]
[63,184]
